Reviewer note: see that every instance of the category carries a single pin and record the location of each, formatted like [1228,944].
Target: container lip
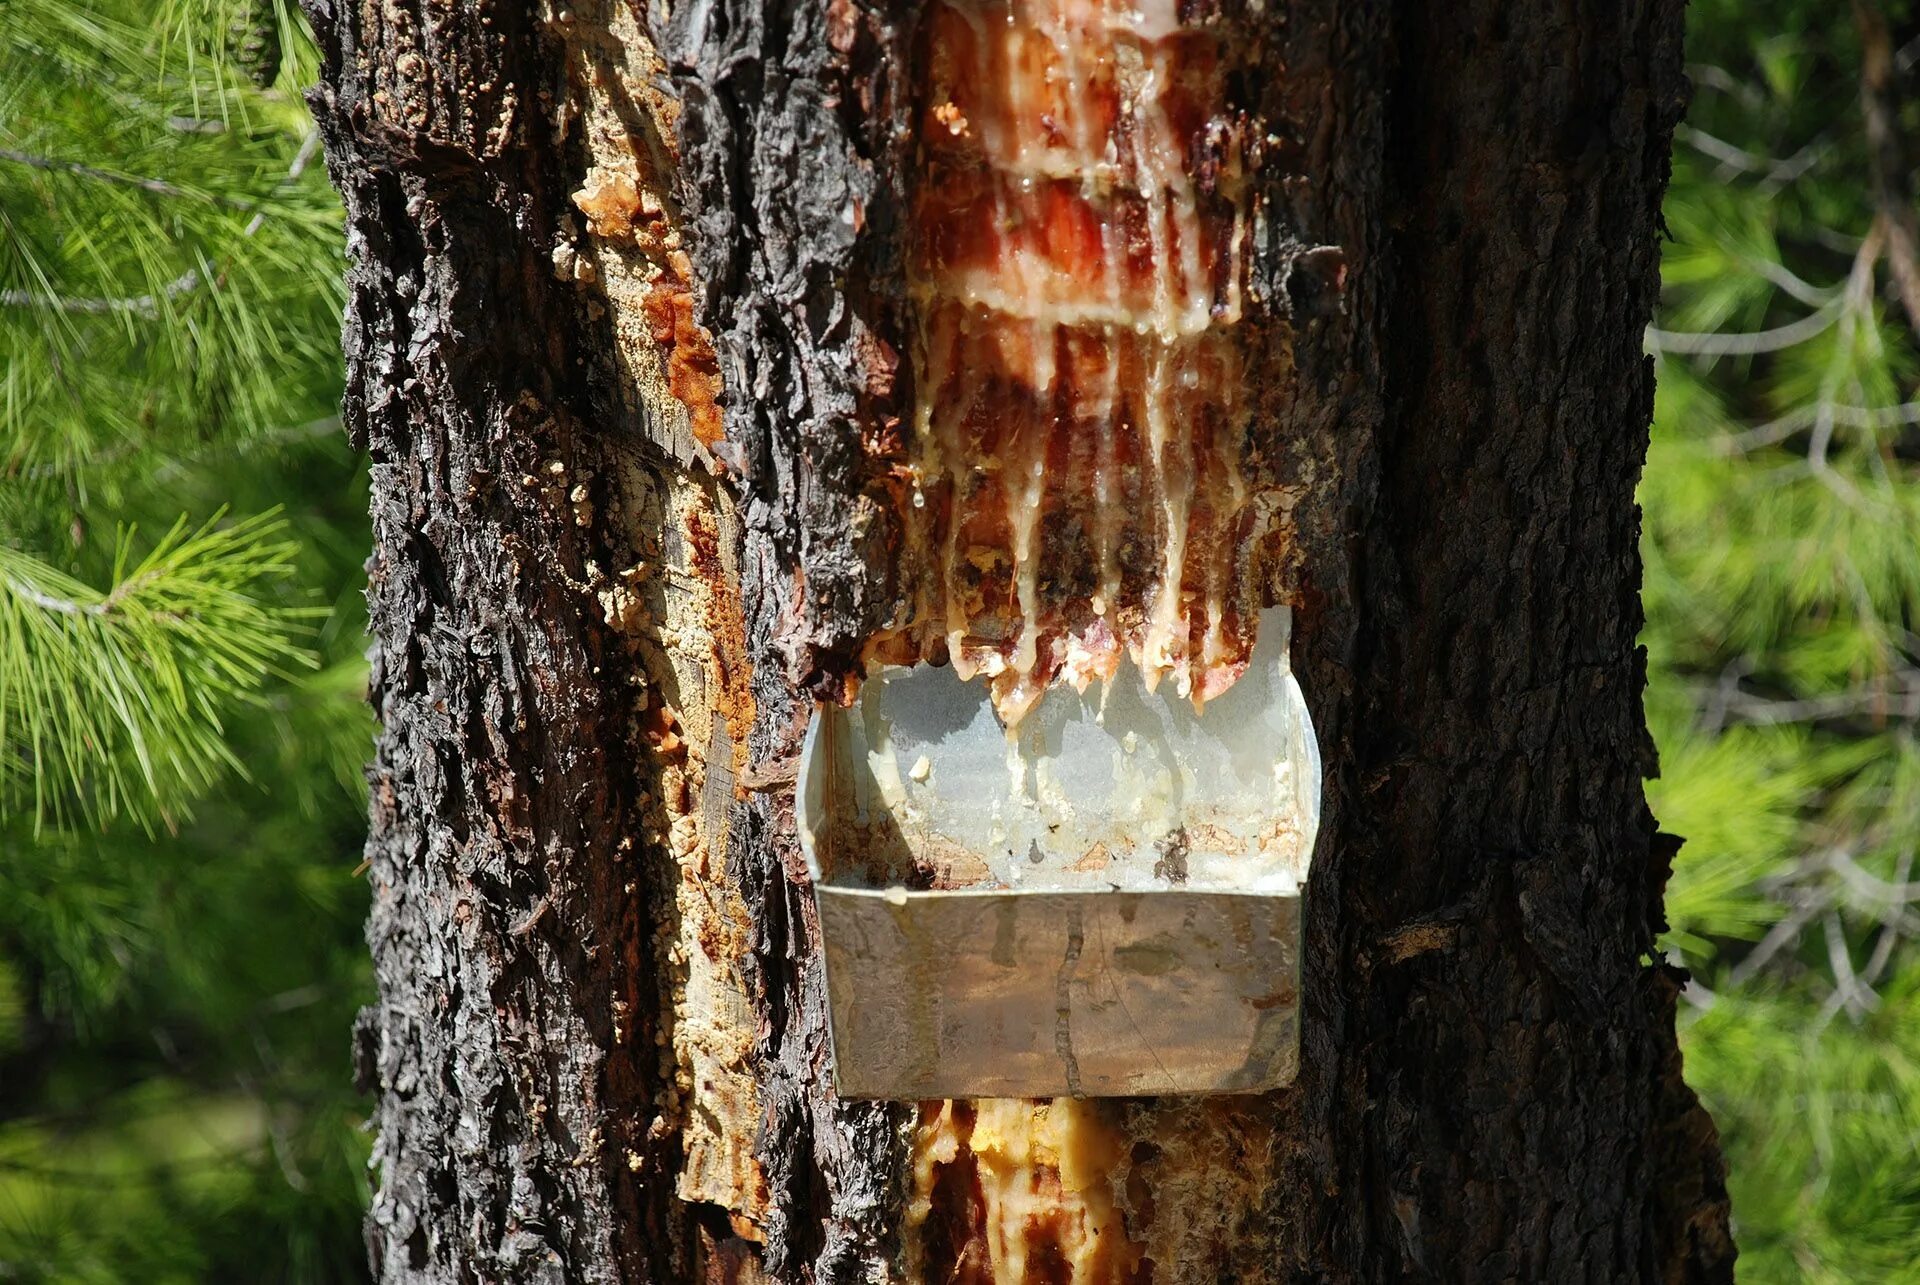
[894,895]
[803,802]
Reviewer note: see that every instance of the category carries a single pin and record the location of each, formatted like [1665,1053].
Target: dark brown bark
[1490,1086]
[512,1044]
[1496,734]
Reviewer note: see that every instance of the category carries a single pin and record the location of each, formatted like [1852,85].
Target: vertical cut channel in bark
[1078,273]
[1081,493]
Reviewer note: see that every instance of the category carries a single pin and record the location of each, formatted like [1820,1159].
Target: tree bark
[584,242]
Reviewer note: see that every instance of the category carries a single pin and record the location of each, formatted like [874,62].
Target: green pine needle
[113,701]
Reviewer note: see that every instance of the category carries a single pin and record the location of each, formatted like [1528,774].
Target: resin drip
[1021,1192]
[1081,1193]
[1078,272]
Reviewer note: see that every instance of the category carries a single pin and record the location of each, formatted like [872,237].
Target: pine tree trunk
[582,242]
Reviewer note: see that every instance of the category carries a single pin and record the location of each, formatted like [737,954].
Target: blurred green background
[1782,547]
[182,527]
[182,718]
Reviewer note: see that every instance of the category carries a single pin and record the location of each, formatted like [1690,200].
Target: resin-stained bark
[1081,222]
[1007,1191]
[1090,1192]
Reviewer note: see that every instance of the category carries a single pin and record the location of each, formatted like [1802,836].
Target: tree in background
[1783,598]
[181,687]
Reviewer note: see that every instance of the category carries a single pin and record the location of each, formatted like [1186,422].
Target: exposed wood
[682,610]
[1471,430]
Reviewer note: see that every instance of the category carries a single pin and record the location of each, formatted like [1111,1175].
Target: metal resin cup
[1104,902]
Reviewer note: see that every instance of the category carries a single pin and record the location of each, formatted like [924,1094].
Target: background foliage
[1782,544]
[181,716]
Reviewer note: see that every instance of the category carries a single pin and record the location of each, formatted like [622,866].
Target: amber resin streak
[1078,271]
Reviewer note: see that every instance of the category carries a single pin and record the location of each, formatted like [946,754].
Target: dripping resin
[1078,277]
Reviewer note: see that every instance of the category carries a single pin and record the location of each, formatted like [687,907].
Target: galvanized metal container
[1106,903]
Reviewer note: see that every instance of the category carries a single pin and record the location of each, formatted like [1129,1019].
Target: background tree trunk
[600,1044]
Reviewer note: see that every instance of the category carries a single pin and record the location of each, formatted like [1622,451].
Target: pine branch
[112,702]
[155,185]
[144,305]
[168,263]
[1715,343]
[148,305]
[1781,427]
[1774,173]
